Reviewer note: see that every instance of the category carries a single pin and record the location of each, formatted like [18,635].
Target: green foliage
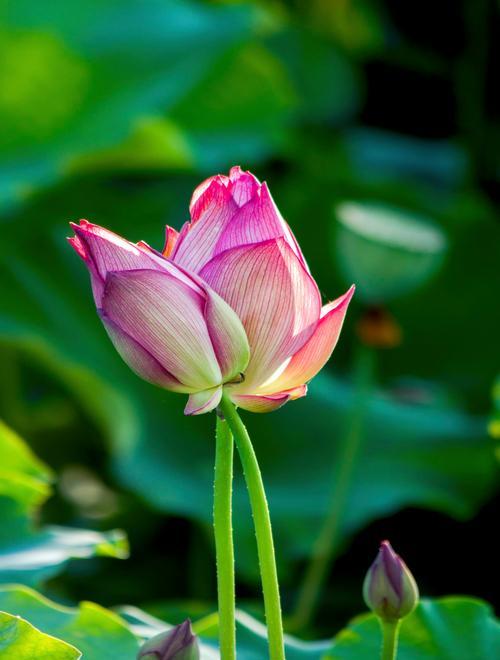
[23,477]
[114,111]
[445,629]
[428,633]
[103,635]
[96,632]
[19,640]
[101,74]
[28,554]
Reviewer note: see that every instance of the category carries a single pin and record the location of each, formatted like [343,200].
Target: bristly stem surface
[263,531]
[223,483]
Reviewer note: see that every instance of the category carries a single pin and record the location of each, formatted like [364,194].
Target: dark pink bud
[179,643]
[390,590]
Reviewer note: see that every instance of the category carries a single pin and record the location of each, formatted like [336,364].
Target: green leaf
[239,111]
[103,635]
[23,477]
[98,633]
[399,159]
[327,84]
[445,629]
[17,457]
[32,557]
[19,640]
[26,554]
[76,84]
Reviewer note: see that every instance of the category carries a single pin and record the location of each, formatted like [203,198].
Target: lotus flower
[229,302]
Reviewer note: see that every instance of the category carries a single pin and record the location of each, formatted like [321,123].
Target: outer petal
[306,363]
[203,194]
[166,318]
[104,251]
[258,220]
[269,402]
[139,359]
[276,299]
[211,212]
[203,402]
[228,336]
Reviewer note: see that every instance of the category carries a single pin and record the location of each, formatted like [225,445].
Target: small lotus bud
[390,590]
[179,643]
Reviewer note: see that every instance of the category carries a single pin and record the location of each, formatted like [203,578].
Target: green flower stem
[263,531]
[224,539]
[326,542]
[390,635]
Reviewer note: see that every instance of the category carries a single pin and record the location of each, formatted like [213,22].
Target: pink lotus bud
[229,303]
[177,644]
[390,589]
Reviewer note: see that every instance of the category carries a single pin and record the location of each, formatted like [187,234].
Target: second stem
[224,539]
[263,531]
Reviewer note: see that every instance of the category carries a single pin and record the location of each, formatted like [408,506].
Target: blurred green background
[374,125]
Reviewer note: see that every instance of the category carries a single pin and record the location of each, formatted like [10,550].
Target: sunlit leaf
[28,554]
[444,629]
[19,640]
[98,633]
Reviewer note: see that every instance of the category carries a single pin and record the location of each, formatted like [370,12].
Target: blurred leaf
[103,635]
[239,111]
[357,25]
[445,629]
[98,633]
[430,632]
[252,641]
[74,84]
[155,143]
[494,424]
[23,477]
[19,640]
[29,555]
[378,154]
[251,636]
[33,557]
[387,252]
[18,457]
[327,82]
